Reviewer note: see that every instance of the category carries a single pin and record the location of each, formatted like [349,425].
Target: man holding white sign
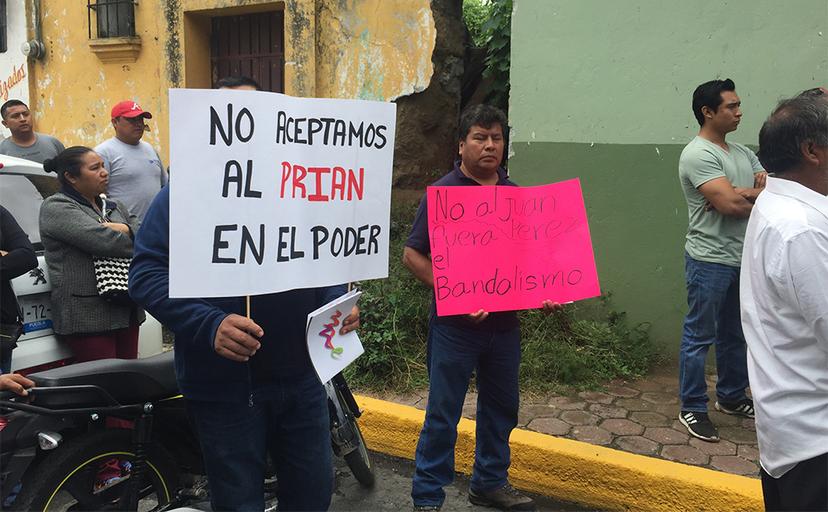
[248,381]
[458,345]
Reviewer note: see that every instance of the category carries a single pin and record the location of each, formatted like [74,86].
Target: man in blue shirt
[250,385]
[488,343]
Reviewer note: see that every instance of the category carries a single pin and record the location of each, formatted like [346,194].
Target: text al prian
[315,184]
[233,243]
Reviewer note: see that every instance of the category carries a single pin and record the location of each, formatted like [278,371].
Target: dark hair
[237,81]
[709,94]
[69,160]
[816,91]
[7,105]
[795,121]
[480,115]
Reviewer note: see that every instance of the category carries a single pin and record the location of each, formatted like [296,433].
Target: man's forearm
[734,206]
[419,265]
[740,209]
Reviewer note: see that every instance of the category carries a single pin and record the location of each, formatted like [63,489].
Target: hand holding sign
[509,248]
[351,322]
[550,307]
[235,338]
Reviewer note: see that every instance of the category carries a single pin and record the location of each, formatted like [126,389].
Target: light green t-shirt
[711,236]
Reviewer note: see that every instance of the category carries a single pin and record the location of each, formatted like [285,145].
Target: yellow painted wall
[370,49]
[72,91]
[374,49]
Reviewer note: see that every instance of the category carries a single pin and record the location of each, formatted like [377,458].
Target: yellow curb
[573,471]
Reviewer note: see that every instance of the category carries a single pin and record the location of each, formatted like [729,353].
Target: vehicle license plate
[37,312]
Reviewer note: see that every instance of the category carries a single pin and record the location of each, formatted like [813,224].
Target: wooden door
[250,45]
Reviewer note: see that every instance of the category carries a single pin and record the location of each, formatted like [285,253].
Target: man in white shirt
[136,173]
[784,303]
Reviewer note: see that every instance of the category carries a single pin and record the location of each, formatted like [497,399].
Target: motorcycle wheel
[92,472]
[359,460]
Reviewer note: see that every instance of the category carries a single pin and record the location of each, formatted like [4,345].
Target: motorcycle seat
[129,381]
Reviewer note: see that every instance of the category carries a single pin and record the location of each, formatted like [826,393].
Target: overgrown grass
[582,347]
[394,317]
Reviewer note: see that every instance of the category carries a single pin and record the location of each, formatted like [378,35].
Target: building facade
[602,90]
[14,69]
[98,52]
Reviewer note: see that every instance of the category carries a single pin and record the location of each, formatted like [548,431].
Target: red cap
[128,108]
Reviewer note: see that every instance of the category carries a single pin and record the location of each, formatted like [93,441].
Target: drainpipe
[35,49]
[38,26]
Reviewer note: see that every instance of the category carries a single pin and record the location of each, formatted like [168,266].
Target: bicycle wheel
[92,473]
[359,459]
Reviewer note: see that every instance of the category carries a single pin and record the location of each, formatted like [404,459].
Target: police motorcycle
[114,434]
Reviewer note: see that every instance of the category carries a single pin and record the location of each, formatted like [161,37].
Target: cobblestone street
[634,416]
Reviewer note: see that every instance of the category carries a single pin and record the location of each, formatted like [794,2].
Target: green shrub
[497,32]
[394,319]
[583,346]
[475,14]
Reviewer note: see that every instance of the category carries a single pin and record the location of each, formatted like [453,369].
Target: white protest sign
[331,352]
[272,193]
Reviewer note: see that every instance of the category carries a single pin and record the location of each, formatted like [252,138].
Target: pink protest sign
[509,248]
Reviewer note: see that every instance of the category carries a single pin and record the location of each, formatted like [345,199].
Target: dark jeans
[454,353]
[713,317]
[290,419]
[5,361]
[805,487]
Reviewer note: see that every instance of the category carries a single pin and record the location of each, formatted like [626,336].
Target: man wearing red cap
[136,174]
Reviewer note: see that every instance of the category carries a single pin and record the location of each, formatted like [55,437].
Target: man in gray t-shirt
[24,141]
[136,173]
[720,181]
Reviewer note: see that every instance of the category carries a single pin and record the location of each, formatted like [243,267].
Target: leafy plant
[475,14]
[582,346]
[497,31]
[394,318]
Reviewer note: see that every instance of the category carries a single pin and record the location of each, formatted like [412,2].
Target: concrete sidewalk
[595,477]
[638,417]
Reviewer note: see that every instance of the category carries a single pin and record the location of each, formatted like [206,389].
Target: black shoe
[504,498]
[742,408]
[699,425]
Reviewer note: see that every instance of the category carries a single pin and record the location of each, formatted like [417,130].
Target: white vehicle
[23,187]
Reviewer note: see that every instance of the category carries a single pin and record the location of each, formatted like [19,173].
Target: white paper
[331,352]
[303,210]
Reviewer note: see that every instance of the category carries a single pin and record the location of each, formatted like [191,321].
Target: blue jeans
[5,361]
[453,354]
[713,318]
[290,419]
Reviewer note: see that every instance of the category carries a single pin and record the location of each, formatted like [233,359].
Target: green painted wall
[601,90]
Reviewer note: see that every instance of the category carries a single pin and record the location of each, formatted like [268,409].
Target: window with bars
[112,18]
[250,45]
